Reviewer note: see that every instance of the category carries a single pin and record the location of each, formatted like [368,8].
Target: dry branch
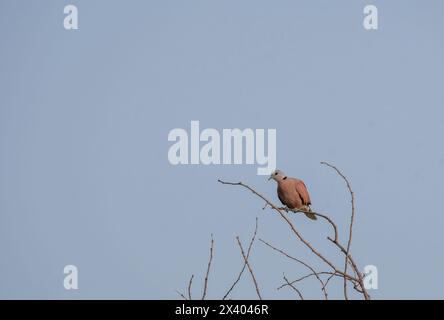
[292,227]
[244,264]
[189,286]
[208,268]
[358,280]
[181,294]
[352,218]
[294,288]
[301,262]
[331,274]
[249,268]
[323,277]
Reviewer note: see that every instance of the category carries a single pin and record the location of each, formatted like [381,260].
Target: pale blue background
[84,119]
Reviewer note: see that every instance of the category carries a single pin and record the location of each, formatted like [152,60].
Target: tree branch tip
[357,280]
[227,182]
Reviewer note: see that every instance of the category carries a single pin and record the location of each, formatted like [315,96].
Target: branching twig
[294,288]
[328,280]
[332,274]
[301,262]
[292,227]
[245,264]
[350,234]
[357,281]
[249,268]
[360,278]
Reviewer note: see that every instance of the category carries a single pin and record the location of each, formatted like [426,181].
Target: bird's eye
[275,173]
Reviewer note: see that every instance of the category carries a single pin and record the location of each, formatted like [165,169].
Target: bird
[292,193]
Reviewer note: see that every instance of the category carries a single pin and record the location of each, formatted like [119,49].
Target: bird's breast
[288,195]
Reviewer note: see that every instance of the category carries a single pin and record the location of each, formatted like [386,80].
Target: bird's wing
[281,197]
[303,192]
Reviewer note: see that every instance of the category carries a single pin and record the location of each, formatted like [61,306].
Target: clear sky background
[85,115]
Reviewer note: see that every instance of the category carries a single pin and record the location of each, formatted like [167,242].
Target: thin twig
[208,268]
[352,218]
[181,294]
[189,286]
[335,228]
[245,264]
[294,288]
[292,227]
[336,274]
[249,268]
[304,277]
[357,281]
[354,267]
[301,262]
[328,280]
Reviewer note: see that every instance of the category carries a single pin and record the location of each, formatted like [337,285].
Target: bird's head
[277,175]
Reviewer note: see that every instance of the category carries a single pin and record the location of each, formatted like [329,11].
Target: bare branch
[301,262]
[208,268]
[245,264]
[292,227]
[304,277]
[332,274]
[354,266]
[189,286]
[294,288]
[356,280]
[350,234]
[335,228]
[181,294]
[249,268]
[328,280]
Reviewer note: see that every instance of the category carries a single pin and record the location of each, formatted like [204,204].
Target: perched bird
[293,193]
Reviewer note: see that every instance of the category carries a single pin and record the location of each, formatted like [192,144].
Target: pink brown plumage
[292,193]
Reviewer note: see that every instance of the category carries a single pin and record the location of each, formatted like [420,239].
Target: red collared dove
[292,192]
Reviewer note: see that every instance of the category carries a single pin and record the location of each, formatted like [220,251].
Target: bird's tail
[312,216]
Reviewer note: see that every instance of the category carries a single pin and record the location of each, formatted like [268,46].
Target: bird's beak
[269,178]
